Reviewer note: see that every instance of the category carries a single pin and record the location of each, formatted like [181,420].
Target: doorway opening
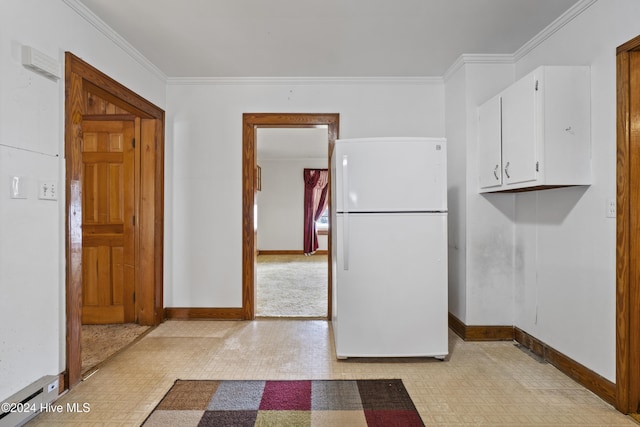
[291,280]
[114,151]
[250,172]
[628,228]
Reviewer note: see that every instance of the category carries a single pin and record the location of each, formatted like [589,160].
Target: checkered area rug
[286,403]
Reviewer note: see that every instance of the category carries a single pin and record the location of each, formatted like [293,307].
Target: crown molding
[552,28]
[116,38]
[105,29]
[543,35]
[573,12]
[304,80]
[473,58]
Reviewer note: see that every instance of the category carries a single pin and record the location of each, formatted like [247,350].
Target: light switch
[48,190]
[18,187]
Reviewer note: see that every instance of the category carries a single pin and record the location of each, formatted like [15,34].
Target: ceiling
[331,38]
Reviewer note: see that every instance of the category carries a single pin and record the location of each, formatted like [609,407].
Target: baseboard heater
[29,402]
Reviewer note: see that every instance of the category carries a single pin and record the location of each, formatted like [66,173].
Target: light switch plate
[48,190]
[18,187]
[611,208]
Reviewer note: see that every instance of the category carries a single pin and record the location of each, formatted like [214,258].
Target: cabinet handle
[495,172]
[506,170]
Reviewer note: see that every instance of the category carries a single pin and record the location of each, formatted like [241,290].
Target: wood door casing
[84,84]
[108,258]
[628,228]
[250,122]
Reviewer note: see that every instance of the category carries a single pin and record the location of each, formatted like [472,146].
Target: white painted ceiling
[330,38]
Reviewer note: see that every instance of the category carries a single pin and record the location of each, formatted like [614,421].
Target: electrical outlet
[611,208]
[48,190]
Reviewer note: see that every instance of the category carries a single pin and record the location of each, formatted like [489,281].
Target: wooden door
[108,191]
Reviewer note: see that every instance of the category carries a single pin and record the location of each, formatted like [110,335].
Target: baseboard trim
[480,333]
[289,252]
[584,376]
[62,382]
[599,385]
[212,313]
[457,326]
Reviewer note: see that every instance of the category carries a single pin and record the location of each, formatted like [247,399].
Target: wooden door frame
[81,77]
[250,123]
[628,228]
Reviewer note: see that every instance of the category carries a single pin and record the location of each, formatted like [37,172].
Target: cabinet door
[490,144]
[519,131]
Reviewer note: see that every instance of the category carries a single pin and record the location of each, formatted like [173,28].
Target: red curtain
[315,202]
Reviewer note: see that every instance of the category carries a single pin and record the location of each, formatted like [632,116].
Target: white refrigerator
[389,247]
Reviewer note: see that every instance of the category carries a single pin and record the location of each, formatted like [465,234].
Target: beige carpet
[291,286]
[99,342]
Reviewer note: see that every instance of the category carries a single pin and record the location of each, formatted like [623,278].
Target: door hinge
[133,220]
[134,297]
[536,85]
[537,166]
[133,142]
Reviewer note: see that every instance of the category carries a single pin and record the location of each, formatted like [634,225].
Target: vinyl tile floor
[480,383]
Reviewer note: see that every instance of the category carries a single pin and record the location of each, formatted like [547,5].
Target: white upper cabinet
[490,153]
[519,142]
[544,132]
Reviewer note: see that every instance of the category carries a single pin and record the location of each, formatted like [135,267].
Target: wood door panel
[100,157]
[90,190]
[116,143]
[117,276]
[115,194]
[102,315]
[103,239]
[108,163]
[103,284]
[89,142]
[90,276]
[90,229]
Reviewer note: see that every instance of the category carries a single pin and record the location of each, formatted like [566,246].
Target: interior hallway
[481,383]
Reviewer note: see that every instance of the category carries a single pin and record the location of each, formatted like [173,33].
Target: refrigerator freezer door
[392,299]
[390,175]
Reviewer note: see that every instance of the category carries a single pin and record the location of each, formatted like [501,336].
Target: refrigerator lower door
[391,298]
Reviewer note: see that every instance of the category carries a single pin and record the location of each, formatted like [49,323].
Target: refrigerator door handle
[345,209]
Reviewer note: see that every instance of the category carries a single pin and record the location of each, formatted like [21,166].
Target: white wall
[481,227]
[456,118]
[32,265]
[204,258]
[552,252]
[489,218]
[281,204]
[565,245]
